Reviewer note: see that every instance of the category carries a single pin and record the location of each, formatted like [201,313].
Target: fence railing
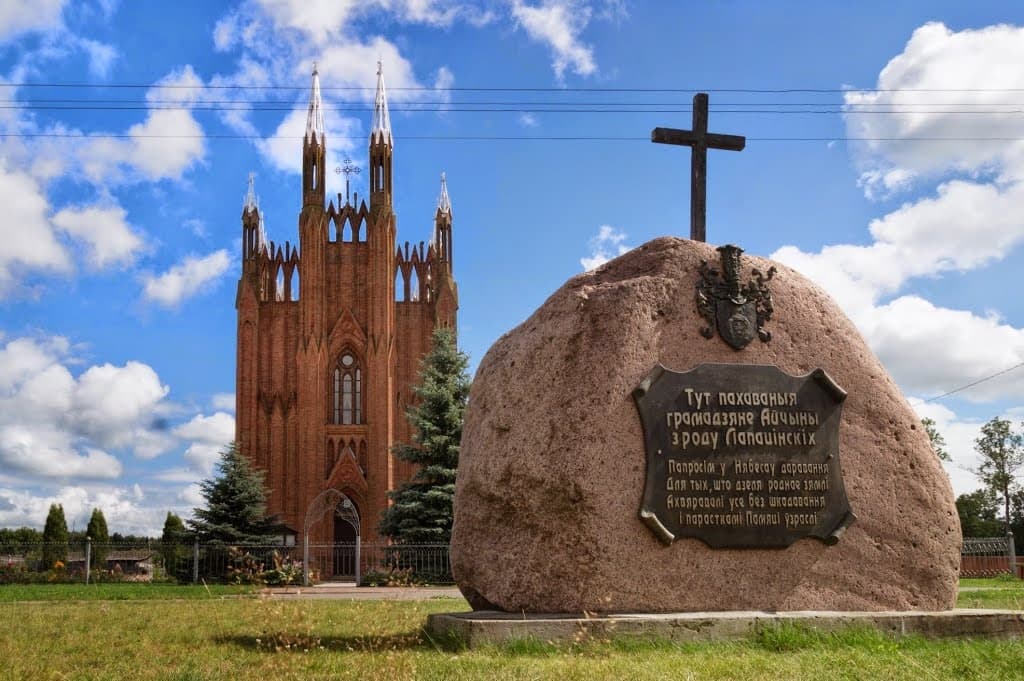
[156,562]
[988,557]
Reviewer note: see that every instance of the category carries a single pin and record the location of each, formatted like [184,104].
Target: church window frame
[347,387]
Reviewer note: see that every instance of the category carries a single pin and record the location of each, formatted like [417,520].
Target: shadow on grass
[284,641]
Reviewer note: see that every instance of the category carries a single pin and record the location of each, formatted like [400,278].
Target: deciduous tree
[1002,455]
[978,513]
[935,437]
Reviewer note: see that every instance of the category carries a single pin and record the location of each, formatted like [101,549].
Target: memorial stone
[660,437]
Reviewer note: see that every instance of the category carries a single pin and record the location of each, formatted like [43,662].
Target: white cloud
[27,236]
[209,435]
[128,510]
[528,120]
[558,24]
[223,402]
[54,425]
[115,405]
[185,279]
[101,57]
[915,87]
[109,238]
[608,243]
[966,224]
[193,496]
[218,429]
[22,16]
[164,146]
[320,20]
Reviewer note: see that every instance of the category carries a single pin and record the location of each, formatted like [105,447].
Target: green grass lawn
[211,637]
[118,592]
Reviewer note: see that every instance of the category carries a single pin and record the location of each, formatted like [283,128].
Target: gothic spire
[251,202]
[444,204]
[315,117]
[381,119]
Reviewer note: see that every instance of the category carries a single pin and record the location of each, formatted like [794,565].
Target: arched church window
[348,391]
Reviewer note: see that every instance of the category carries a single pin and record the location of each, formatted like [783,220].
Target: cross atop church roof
[381,119]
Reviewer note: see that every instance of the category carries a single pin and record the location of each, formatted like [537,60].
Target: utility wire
[371,88]
[488,138]
[974,383]
[491,109]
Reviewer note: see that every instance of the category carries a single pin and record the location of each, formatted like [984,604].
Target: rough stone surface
[552,466]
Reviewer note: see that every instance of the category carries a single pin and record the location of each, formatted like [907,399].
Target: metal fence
[155,562]
[988,557]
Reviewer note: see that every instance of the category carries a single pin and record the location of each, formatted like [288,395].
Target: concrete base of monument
[490,627]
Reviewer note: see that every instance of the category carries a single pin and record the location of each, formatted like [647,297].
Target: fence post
[88,556]
[195,561]
[359,545]
[305,559]
[1011,553]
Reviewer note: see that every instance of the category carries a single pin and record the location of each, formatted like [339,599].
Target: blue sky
[885,159]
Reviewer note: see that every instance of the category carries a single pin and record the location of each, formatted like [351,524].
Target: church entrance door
[346,537]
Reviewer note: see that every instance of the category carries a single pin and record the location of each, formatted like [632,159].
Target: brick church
[330,337]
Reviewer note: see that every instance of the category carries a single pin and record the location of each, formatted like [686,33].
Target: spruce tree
[421,512]
[236,504]
[55,537]
[97,531]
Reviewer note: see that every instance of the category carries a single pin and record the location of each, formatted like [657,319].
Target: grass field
[217,637]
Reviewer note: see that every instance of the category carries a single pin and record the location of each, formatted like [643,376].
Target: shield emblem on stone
[737,324]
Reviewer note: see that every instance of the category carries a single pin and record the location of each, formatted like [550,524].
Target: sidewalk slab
[488,627]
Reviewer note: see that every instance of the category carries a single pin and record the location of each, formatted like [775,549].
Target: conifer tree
[172,546]
[422,508]
[236,504]
[55,537]
[97,531]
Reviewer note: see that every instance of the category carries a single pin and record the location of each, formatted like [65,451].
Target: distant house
[134,562]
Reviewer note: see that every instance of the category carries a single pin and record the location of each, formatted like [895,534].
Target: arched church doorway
[346,538]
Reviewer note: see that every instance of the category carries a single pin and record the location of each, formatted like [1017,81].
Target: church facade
[331,333]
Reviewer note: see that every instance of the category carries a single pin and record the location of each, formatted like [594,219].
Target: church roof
[381,119]
[315,117]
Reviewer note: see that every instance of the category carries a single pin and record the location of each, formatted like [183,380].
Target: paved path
[350,592]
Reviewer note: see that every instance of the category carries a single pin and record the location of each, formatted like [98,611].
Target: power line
[488,138]
[974,383]
[491,109]
[370,88]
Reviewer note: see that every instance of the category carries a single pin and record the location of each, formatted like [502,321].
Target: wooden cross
[699,140]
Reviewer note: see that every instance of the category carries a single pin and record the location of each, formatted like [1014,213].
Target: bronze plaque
[742,456]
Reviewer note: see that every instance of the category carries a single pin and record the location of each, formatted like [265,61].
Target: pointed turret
[253,239]
[381,146]
[381,125]
[444,204]
[443,226]
[314,148]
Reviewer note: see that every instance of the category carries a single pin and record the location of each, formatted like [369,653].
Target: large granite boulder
[552,466]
